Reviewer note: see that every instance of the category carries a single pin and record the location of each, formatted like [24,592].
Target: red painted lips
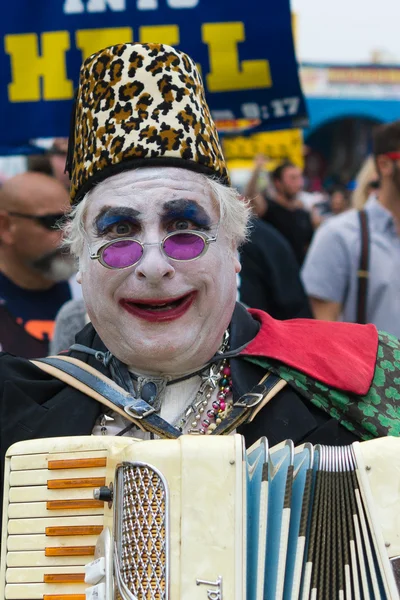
[160,309]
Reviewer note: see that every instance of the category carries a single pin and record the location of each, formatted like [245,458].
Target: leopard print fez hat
[140,105]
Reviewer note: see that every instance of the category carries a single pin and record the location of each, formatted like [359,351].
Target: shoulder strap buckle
[139,409]
[249,400]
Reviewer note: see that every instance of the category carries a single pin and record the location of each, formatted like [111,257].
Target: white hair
[234,211]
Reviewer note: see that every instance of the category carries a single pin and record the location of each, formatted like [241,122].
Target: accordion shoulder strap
[363,270]
[275,386]
[247,407]
[94,384]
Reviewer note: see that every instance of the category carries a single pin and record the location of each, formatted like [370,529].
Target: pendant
[211,378]
[103,423]
[151,390]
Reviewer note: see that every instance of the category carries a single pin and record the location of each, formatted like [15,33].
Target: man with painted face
[156,227]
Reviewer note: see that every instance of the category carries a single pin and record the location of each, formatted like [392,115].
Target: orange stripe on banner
[74,530]
[65,578]
[73,504]
[65,484]
[64,597]
[70,551]
[77,463]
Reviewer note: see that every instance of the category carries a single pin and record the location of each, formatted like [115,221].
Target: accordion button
[95,571]
[97,592]
[103,493]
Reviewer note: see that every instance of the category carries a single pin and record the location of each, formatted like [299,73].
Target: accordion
[200,518]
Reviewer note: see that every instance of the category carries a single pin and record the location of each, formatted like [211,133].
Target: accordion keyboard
[53,524]
[150,538]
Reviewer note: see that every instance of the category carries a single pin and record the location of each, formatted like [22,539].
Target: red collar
[340,355]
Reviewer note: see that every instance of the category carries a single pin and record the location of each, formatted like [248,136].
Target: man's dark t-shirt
[295,225]
[27,317]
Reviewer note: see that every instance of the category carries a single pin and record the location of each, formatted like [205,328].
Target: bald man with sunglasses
[34,271]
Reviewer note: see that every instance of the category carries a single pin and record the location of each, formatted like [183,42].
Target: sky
[347,31]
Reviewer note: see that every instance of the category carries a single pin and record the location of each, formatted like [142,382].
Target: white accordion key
[98,592]
[95,571]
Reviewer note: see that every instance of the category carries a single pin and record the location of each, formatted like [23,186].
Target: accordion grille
[143,559]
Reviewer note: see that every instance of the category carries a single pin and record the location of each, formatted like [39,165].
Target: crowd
[347,247]
[331,257]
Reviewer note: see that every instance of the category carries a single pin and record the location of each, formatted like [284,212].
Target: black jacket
[270,276]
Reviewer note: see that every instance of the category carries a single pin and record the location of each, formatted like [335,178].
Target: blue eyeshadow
[106,221]
[187,210]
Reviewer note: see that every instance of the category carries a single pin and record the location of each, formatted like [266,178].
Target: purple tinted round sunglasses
[179,246]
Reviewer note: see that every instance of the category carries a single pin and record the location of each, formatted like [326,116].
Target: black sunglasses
[47,221]
[375,185]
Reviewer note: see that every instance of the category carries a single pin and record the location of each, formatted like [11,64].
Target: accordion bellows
[200,519]
[140,105]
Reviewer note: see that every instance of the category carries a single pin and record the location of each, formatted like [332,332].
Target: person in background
[34,271]
[339,200]
[284,211]
[333,270]
[367,183]
[270,276]
[52,162]
[336,203]
[70,320]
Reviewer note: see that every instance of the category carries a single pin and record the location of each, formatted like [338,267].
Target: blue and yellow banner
[245,53]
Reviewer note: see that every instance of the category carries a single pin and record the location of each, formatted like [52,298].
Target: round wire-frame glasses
[185,246]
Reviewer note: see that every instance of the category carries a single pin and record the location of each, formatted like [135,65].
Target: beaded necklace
[208,408]
[204,414]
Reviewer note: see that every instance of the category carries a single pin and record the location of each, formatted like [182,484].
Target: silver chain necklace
[210,376]
[197,407]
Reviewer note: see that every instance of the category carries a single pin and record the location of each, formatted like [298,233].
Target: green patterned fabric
[374,415]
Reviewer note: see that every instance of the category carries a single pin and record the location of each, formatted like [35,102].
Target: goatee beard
[56,266]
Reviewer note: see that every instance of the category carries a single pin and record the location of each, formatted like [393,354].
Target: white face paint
[199,296]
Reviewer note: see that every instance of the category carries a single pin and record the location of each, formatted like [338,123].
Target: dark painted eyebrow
[188,209]
[109,214]
[117,211]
